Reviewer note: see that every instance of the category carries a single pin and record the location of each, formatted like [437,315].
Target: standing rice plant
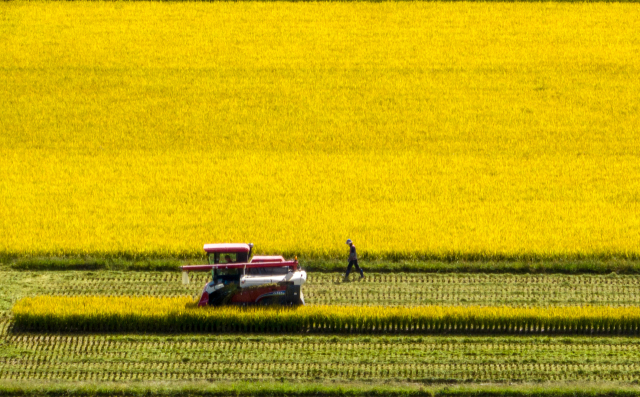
[151,314]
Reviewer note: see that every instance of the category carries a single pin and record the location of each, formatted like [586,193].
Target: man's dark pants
[351,263]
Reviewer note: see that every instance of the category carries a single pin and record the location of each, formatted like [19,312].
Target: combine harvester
[239,279]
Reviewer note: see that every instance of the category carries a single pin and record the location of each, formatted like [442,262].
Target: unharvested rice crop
[151,314]
[416,129]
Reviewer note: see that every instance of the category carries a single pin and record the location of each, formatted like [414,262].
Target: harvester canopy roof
[230,247]
[267,259]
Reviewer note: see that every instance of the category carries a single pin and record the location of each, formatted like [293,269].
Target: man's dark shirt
[352,253]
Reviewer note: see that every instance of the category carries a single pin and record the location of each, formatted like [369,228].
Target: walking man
[353,260]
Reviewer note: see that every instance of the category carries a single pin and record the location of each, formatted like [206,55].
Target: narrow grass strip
[179,314]
[448,265]
[266,389]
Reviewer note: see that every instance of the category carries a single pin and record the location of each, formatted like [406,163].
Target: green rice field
[378,359]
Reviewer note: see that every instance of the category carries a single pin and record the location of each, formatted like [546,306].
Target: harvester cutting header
[238,278]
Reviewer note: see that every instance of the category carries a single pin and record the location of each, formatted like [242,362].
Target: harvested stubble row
[402,289]
[151,314]
[374,358]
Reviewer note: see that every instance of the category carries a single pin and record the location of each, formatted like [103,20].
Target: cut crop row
[428,359]
[409,289]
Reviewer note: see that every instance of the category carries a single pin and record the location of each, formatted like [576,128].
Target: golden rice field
[154,314]
[416,129]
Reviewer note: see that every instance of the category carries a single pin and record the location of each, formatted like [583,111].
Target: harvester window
[228,272]
[226,276]
[222,258]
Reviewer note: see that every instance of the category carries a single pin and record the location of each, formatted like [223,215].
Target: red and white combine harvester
[239,279]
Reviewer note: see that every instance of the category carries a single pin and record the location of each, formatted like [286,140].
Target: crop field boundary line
[384,1]
[9,327]
[512,266]
[453,256]
[177,389]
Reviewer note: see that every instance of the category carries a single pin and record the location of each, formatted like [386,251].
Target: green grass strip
[268,389]
[558,266]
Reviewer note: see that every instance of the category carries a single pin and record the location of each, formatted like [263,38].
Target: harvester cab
[238,278]
[228,253]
